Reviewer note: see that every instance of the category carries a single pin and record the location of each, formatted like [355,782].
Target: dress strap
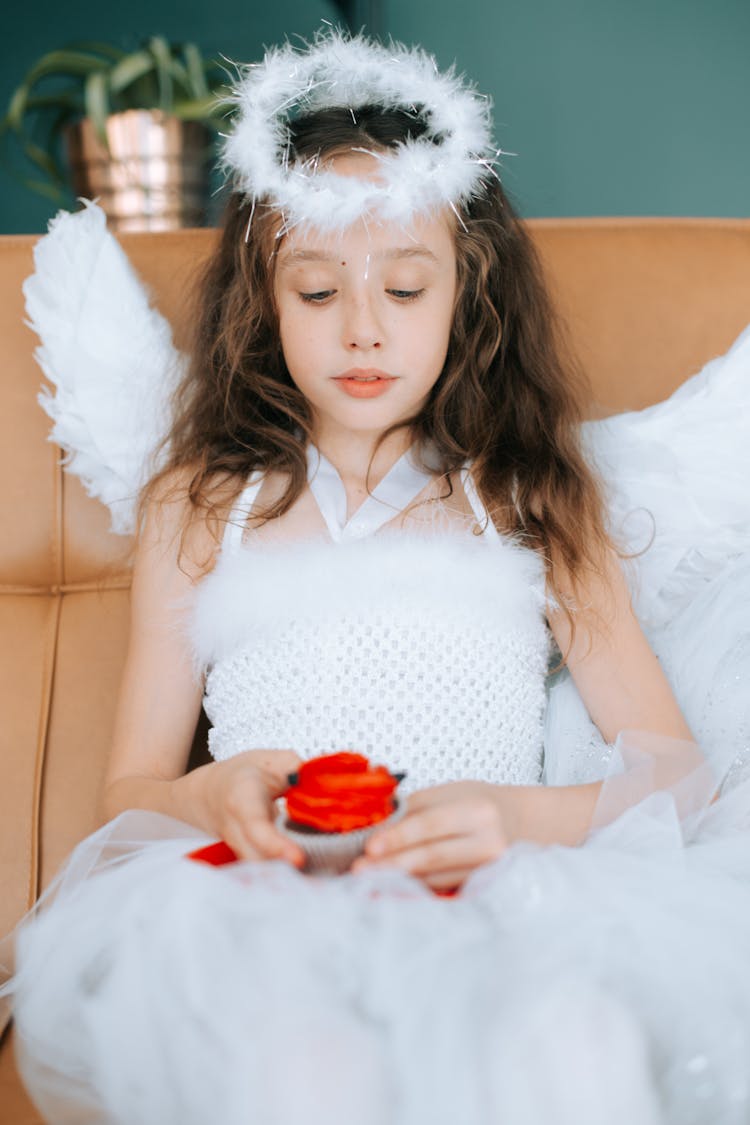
[235,528]
[477,507]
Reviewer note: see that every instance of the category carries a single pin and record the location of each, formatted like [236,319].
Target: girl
[374,528]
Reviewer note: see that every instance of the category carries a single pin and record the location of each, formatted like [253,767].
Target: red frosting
[216,854]
[340,792]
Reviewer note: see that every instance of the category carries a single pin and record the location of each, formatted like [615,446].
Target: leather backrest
[647,301]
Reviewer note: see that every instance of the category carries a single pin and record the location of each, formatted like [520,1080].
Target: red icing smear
[340,792]
[216,854]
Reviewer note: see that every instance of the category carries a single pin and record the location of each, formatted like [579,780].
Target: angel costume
[606,982]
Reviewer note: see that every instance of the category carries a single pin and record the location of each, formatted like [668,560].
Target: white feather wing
[678,481]
[108,355]
[677,475]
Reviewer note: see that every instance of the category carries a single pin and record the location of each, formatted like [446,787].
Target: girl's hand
[447,832]
[238,802]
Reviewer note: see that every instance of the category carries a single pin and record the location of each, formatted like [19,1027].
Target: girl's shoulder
[185,517]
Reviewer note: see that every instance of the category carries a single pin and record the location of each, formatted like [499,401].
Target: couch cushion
[27,462]
[28,627]
[647,301]
[16,1108]
[90,651]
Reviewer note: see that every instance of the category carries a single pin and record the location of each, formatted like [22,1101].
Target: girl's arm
[623,687]
[160,701]
[614,667]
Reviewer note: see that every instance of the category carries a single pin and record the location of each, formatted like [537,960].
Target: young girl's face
[377,299]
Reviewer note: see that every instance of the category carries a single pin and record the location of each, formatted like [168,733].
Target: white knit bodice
[427,651]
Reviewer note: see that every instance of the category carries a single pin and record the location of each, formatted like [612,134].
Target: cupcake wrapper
[332,853]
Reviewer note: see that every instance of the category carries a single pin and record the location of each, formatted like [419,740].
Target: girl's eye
[323,295]
[317,298]
[406,294]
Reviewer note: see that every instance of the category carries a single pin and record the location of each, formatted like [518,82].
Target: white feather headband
[446,165]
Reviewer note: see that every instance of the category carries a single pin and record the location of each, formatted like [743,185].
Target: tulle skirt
[604,983]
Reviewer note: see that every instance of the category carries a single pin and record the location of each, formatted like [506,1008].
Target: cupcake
[333,803]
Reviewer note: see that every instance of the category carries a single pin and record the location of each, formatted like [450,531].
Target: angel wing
[108,355]
[677,475]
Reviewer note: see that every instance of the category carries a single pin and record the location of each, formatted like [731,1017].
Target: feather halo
[444,166]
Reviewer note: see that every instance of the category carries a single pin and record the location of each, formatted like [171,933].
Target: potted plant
[134,128]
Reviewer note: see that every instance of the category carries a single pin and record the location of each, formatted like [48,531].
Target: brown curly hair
[510,397]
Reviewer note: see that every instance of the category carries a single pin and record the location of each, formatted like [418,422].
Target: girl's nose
[364,343]
[362,329]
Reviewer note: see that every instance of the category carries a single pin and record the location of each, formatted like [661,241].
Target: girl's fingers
[233,834]
[271,844]
[435,856]
[252,808]
[259,840]
[254,832]
[429,823]
[275,766]
[447,820]
[446,880]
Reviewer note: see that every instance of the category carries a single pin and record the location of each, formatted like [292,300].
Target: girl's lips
[359,388]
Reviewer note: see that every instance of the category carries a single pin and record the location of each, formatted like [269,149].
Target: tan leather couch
[647,302]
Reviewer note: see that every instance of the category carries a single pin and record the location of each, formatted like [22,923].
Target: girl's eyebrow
[294,257]
[418,251]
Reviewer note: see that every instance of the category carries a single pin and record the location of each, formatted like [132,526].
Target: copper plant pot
[154,176]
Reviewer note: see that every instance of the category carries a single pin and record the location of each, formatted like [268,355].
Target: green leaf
[41,187]
[162,53]
[206,109]
[44,162]
[129,70]
[17,107]
[196,70]
[179,74]
[35,107]
[73,64]
[96,101]
[65,99]
[69,63]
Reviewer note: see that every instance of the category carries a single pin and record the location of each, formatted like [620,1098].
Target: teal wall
[613,107]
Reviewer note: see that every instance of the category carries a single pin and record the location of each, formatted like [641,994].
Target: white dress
[562,986]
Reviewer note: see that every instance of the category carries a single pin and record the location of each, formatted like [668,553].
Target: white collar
[396,490]
[403,481]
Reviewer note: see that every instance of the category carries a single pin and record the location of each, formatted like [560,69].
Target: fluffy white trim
[260,586]
[108,355]
[443,167]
